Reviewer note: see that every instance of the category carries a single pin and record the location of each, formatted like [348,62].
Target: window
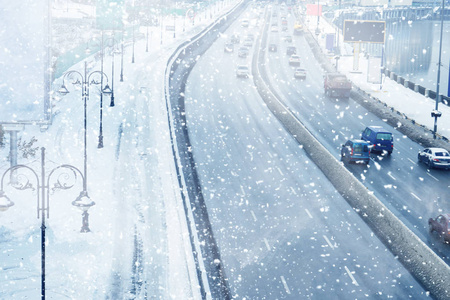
[384,136]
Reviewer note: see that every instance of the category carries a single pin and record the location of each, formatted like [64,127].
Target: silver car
[435,157]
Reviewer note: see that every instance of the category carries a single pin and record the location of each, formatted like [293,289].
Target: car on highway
[380,139]
[300,73]
[243,52]
[435,157]
[291,50]
[294,60]
[356,151]
[245,23]
[288,38]
[248,42]
[242,71]
[235,39]
[274,28]
[440,225]
[272,47]
[228,48]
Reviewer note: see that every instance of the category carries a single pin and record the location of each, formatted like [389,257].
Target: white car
[300,73]
[294,60]
[242,71]
[274,28]
[435,157]
[245,23]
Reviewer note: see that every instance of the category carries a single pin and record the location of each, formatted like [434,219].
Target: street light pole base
[85,227]
[100,142]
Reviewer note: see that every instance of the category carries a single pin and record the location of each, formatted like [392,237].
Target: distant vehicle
[288,39]
[251,36]
[300,73]
[294,60]
[243,52]
[337,85]
[245,23]
[380,139]
[441,225]
[435,157]
[242,71]
[298,28]
[235,39]
[272,47]
[248,42]
[283,21]
[291,50]
[357,151]
[229,47]
[274,28]
[284,28]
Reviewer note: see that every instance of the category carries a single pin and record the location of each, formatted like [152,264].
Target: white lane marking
[342,133]
[432,177]
[415,196]
[319,113]
[267,244]
[328,242]
[293,191]
[330,123]
[253,215]
[242,190]
[390,175]
[270,154]
[285,285]
[362,124]
[279,171]
[309,214]
[351,276]
[412,161]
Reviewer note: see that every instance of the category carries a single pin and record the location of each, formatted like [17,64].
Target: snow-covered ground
[138,244]
[138,234]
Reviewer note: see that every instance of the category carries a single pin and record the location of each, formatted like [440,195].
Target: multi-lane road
[282,229]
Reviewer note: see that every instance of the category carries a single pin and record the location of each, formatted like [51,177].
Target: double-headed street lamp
[22,182]
[85,82]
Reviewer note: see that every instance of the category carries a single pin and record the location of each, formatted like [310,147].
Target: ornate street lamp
[86,81]
[22,182]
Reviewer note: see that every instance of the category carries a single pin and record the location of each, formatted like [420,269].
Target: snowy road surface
[282,229]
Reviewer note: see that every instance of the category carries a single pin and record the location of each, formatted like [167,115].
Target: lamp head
[5,202]
[63,90]
[83,201]
[107,90]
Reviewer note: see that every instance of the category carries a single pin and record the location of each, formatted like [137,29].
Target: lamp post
[436,113]
[42,197]
[121,59]
[114,41]
[85,81]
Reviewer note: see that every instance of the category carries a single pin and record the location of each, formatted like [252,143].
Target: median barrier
[428,269]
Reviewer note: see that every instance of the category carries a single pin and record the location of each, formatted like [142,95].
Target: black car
[272,48]
[291,50]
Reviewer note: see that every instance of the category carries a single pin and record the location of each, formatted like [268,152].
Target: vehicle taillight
[352,152]
[435,159]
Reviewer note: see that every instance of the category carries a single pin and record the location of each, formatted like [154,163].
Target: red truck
[337,85]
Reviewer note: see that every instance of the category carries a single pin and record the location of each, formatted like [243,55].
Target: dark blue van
[380,139]
[355,151]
